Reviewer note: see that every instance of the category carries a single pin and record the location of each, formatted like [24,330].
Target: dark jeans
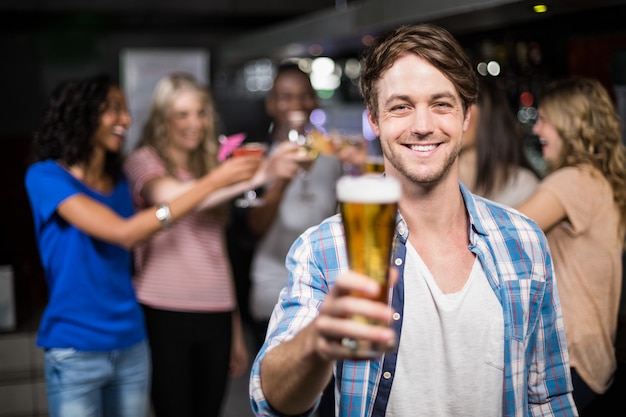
[260,329]
[583,395]
[327,404]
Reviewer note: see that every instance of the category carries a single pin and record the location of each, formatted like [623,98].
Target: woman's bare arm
[544,208]
[102,222]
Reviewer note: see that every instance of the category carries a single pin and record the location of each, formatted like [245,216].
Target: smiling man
[476,326]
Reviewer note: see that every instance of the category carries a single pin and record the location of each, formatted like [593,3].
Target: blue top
[514,254]
[92,304]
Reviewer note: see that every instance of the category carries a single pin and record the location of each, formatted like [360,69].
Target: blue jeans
[98,384]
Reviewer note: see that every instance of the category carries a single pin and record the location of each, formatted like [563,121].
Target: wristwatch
[164,214]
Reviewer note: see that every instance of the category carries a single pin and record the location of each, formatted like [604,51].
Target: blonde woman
[581,205]
[182,275]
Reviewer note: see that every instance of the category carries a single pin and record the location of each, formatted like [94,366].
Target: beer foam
[368,188]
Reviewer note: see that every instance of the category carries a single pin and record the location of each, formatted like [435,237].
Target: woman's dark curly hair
[70,121]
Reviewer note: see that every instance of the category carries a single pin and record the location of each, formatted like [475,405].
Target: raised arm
[294,373]
[285,169]
[103,223]
[168,188]
[544,208]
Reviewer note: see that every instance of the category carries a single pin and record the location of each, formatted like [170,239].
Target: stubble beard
[431,178]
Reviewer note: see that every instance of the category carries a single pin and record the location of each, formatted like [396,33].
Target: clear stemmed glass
[250,198]
[306,155]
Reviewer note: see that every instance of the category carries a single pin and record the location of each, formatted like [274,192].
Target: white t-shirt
[517,189]
[295,215]
[451,351]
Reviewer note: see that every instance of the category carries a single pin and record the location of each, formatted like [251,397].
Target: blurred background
[235,46]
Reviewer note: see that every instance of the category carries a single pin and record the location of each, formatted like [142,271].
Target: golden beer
[375,164]
[368,206]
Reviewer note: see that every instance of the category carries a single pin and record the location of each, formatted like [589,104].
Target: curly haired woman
[581,205]
[97,360]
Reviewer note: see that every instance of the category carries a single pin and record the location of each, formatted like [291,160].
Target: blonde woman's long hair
[583,114]
[155,130]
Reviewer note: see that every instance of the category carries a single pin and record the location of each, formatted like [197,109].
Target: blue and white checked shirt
[514,254]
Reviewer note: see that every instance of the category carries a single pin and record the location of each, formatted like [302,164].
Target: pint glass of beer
[368,205]
[375,164]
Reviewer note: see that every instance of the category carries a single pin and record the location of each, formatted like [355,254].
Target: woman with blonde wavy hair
[581,206]
[182,276]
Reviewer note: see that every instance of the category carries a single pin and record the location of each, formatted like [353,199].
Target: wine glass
[250,198]
[306,155]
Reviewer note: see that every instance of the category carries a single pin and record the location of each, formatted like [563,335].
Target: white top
[451,351]
[517,189]
[268,271]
